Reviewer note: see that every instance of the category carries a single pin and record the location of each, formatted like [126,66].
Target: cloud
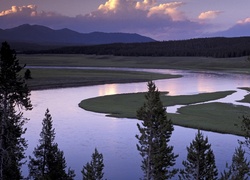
[116,6]
[244,21]
[30,10]
[209,15]
[160,21]
[110,5]
[27,11]
[145,5]
[169,9]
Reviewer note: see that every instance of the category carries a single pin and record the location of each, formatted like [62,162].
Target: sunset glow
[108,89]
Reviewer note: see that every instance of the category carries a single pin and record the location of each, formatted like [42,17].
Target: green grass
[216,117]
[195,63]
[55,78]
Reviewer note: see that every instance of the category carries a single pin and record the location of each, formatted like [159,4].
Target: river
[78,131]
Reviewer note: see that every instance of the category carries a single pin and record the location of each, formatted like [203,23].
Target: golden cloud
[110,5]
[209,15]
[28,10]
[167,9]
[244,21]
[145,5]
[149,7]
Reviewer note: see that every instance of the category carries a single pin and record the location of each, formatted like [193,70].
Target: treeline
[218,47]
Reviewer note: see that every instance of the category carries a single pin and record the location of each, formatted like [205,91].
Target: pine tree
[155,133]
[200,163]
[13,93]
[27,74]
[94,170]
[49,161]
[246,129]
[240,167]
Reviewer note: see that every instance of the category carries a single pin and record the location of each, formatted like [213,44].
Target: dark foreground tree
[94,170]
[49,162]
[14,97]
[200,163]
[246,129]
[27,74]
[240,167]
[155,132]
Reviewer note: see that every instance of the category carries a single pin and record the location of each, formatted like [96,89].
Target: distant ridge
[41,35]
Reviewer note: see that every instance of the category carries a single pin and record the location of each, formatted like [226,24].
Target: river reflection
[78,132]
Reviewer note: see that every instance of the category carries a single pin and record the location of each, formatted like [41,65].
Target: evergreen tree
[200,163]
[155,133]
[246,129]
[94,170]
[27,74]
[240,167]
[13,93]
[49,161]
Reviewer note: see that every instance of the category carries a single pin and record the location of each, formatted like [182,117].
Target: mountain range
[41,37]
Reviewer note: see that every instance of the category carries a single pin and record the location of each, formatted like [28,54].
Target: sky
[159,19]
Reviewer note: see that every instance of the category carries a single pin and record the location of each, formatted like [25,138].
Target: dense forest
[218,47]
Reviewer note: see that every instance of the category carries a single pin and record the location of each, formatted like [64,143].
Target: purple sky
[159,19]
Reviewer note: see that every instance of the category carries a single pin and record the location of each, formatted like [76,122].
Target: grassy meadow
[239,64]
[218,117]
[129,103]
[44,78]
[58,78]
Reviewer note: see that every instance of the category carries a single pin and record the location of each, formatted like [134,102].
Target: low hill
[37,36]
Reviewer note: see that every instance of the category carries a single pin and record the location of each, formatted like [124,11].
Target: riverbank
[47,78]
[215,117]
[239,64]
[43,78]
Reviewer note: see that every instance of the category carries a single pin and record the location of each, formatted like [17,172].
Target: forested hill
[209,47]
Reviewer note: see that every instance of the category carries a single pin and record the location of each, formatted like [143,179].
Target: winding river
[78,131]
